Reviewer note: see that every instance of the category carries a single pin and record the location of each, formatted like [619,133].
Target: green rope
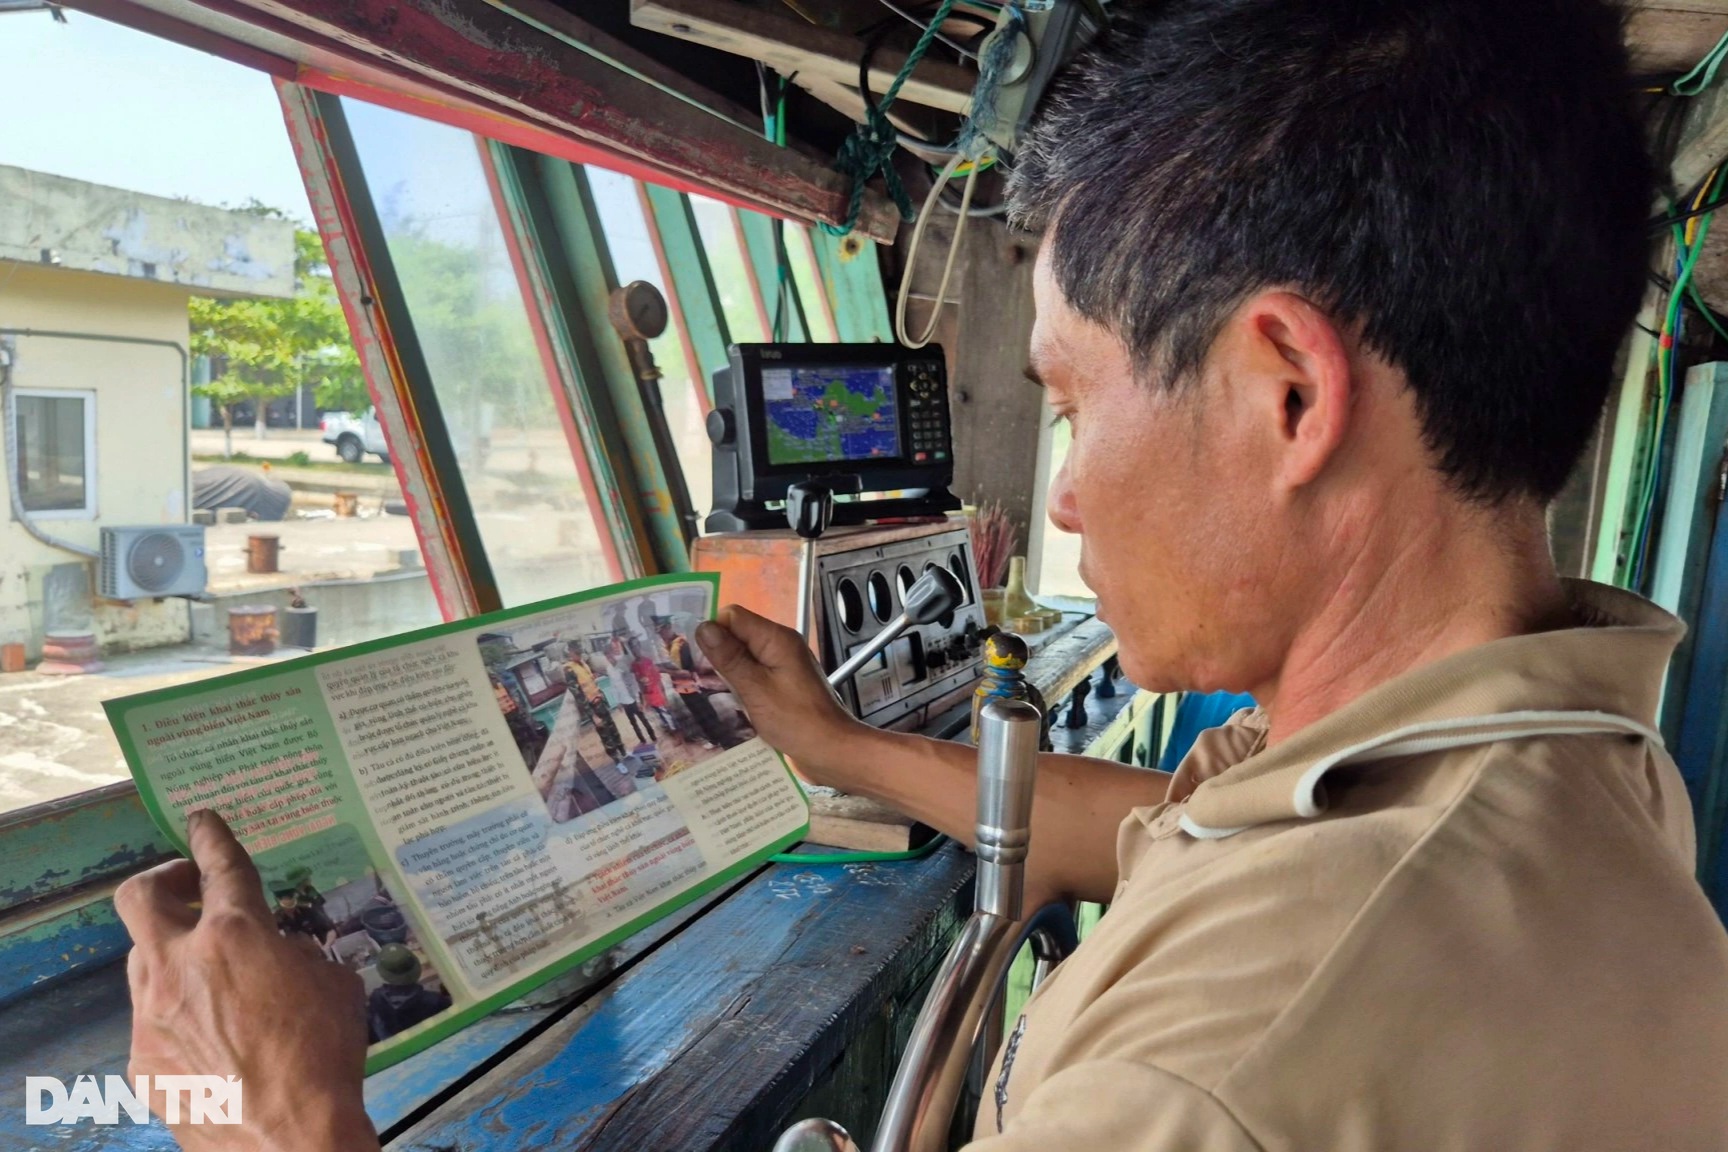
[870,147]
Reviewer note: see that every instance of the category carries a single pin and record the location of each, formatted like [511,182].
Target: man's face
[1167,491]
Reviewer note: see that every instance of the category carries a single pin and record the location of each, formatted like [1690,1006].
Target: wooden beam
[1672,35]
[790,45]
[846,101]
[532,77]
[997,414]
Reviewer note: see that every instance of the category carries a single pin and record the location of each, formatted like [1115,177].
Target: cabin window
[741,298]
[470,442]
[440,218]
[56,445]
[634,245]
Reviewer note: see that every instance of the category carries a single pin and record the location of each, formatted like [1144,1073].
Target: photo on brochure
[325,888]
[606,699]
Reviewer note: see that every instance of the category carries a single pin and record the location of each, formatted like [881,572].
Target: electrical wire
[912,247]
[1703,73]
[1715,319]
[1688,246]
[987,211]
[922,27]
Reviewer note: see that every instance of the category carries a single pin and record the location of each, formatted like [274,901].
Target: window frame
[91,509]
[61,860]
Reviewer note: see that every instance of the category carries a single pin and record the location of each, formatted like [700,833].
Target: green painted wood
[1621,489]
[759,243]
[98,835]
[690,278]
[852,276]
[1684,548]
[563,230]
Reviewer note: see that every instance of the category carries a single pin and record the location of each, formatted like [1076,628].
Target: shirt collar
[1614,662]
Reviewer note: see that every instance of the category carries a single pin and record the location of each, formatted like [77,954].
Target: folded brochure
[462,812]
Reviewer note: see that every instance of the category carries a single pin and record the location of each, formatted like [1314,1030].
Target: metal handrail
[927,1085]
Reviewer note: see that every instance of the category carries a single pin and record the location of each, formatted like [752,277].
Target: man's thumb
[724,650]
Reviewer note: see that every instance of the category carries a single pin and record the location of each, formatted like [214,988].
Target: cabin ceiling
[684,108]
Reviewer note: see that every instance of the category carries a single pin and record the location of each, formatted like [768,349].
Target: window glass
[631,246]
[442,226]
[132,266]
[1054,555]
[52,465]
[802,258]
[730,267]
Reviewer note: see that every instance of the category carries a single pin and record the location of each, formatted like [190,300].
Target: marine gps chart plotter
[863,418]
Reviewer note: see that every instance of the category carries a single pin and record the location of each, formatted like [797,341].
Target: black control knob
[722,427]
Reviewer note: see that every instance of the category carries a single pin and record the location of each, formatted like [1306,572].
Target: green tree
[469,320]
[263,349]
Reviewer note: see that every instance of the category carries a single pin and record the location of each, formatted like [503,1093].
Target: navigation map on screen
[817,414]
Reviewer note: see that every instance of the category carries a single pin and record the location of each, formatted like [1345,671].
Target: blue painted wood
[1700,752]
[712,1042]
[83,839]
[852,278]
[57,945]
[95,1007]
[1682,550]
[83,1026]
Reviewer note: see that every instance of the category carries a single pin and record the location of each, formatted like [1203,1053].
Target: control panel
[861,591]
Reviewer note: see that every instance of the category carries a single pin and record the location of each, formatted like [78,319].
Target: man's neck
[1447,578]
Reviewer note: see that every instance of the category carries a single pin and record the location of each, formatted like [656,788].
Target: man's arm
[1079,801]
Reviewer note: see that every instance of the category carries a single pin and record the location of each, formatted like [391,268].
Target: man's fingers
[307,945]
[772,645]
[157,905]
[230,881]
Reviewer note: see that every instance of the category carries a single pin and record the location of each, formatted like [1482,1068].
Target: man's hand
[781,686]
[220,992]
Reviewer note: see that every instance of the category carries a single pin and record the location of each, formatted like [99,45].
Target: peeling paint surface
[56,221]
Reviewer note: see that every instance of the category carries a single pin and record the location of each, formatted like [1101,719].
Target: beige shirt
[1439,944]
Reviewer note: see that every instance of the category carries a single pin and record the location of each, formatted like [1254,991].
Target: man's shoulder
[1539,863]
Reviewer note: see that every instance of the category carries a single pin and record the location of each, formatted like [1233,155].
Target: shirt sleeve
[1120,1105]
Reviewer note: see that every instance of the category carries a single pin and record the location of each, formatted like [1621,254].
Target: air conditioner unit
[152,560]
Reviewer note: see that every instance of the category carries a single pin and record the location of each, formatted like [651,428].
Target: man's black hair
[1464,179]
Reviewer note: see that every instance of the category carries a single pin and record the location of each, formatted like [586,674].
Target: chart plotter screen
[828,412]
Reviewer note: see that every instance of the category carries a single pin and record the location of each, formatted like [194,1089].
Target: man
[648,679]
[401,1001]
[592,701]
[297,917]
[687,683]
[306,894]
[619,684]
[1330,293]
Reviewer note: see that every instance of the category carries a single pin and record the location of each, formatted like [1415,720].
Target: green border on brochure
[445,1027]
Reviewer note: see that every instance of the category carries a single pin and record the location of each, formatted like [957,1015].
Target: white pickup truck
[354,436]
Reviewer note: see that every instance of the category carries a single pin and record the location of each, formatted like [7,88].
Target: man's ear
[1295,362]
